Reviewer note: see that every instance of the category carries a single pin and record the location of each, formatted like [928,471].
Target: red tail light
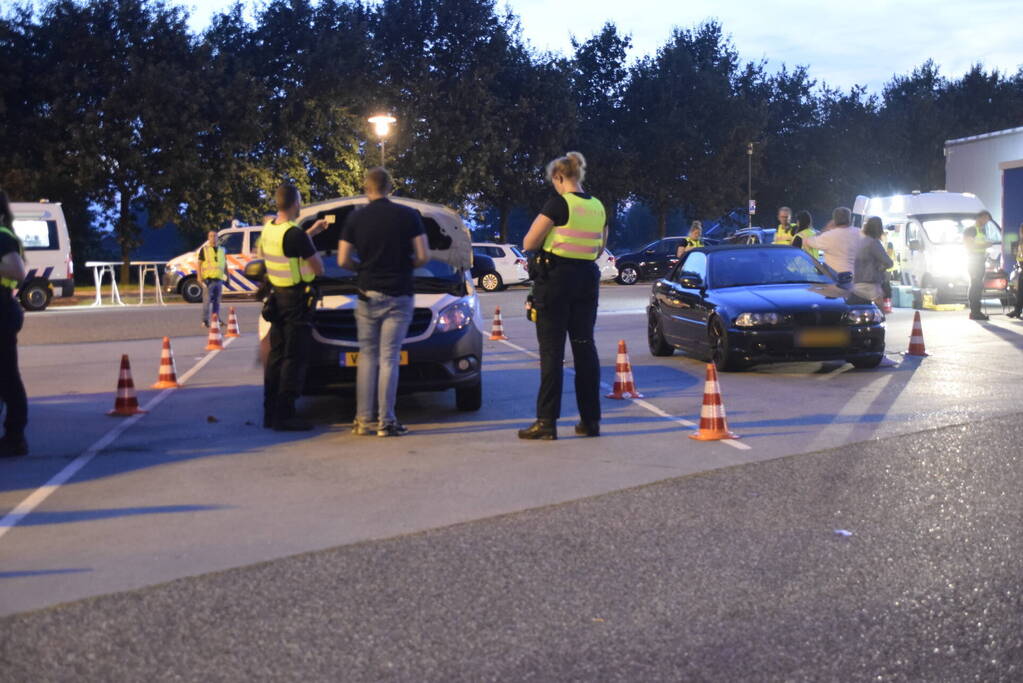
[520,261]
[69,262]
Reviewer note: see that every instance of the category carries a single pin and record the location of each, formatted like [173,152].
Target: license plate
[350,360]
[822,337]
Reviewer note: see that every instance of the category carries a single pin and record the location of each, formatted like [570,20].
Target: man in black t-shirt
[12,390]
[383,242]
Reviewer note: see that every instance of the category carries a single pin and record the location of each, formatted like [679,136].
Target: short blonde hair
[572,166]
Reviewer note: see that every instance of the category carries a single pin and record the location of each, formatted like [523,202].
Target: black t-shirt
[556,208]
[382,234]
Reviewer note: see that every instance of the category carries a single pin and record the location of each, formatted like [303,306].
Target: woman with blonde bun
[567,237]
[694,240]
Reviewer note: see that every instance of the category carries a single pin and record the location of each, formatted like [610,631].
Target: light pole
[749,187]
[382,126]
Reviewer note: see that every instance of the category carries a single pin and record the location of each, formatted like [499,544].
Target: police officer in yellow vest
[975,241]
[568,236]
[213,275]
[786,231]
[12,390]
[802,231]
[292,263]
[693,241]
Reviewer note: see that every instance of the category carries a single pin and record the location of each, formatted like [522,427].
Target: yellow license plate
[822,337]
[352,359]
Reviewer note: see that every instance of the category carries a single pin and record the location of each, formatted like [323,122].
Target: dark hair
[804,220]
[873,228]
[6,216]
[286,196]
[379,179]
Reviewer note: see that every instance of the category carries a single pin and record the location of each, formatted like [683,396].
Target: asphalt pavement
[892,560]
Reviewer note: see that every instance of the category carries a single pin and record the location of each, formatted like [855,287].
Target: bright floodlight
[382,124]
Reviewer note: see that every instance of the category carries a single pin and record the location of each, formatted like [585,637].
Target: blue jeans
[211,299]
[383,322]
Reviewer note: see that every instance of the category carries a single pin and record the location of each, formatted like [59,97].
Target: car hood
[782,297]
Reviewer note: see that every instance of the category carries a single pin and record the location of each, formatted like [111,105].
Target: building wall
[972,165]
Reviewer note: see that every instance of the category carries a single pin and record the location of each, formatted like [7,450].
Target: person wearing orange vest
[12,390]
[212,275]
[292,263]
[568,236]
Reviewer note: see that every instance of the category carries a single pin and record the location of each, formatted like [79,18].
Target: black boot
[585,428]
[13,447]
[545,430]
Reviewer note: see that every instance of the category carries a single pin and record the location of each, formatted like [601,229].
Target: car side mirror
[691,281]
[255,270]
[916,245]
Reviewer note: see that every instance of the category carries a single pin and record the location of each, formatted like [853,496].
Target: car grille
[815,318]
[340,324]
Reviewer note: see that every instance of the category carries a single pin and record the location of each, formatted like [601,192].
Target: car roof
[746,247]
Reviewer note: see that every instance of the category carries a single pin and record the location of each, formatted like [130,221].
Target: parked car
[181,274]
[509,265]
[42,229]
[608,269]
[649,263]
[741,305]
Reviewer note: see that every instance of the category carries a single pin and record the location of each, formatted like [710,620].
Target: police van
[181,275]
[43,232]
[925,234]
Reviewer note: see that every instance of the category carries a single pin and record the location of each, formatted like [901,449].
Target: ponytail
[572,166]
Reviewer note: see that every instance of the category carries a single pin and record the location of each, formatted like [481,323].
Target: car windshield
[764,266]
[435,277]
[948,228]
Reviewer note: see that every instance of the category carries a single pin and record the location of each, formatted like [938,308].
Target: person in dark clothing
[569,235]
[975,240]
[1017,310]
[292,264]
[12,389]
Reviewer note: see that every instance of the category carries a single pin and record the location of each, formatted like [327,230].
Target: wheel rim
[36,297]
[653,331]
[194,291]
[490,281]
[629,275]
[717,343]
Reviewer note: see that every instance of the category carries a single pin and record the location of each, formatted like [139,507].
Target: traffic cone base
[497,329]
[126,403]
[215,341]
[625,385]
[168,377]
[916,339]
[713,424]
[232,324]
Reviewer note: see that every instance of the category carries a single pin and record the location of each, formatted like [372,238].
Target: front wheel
[720,354]
[191,291]
[659,346]
[35,296]
[490,282]
[868,363]
[628,275]
[469,399]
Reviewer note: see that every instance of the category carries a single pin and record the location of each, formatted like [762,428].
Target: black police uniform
[12,390]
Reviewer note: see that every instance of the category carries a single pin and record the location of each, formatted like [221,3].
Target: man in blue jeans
[384,243]
[213,274]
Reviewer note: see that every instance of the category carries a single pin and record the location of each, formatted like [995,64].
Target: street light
[750,206]
[382,126]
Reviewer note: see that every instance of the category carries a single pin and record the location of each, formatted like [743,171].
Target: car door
[660,259]
[681,300]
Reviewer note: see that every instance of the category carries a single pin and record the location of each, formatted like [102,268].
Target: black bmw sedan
[742,305]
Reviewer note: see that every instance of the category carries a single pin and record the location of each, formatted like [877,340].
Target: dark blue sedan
[742,305]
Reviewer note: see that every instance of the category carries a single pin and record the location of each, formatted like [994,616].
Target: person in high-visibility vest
[1017,310]
[975,241]
[803,231]
[212,275]
[12,389]
[785,231]
[292,263]
[568,236]
[694,240]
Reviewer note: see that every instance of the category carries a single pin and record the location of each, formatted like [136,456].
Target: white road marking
[25,507]
[646,405]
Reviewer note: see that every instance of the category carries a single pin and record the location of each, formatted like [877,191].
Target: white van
[43,232]
[925,232]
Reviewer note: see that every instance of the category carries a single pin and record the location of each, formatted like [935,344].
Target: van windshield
[948,228]
[435,277]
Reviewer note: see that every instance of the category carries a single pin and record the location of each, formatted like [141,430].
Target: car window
[495,252]
[695,263]
[36,234]
[759,266]
[254,240]
[232,242]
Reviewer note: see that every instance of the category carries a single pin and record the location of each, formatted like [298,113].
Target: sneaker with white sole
[359,429]
[393,429]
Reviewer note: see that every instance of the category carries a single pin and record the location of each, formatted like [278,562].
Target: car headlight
[757,319]
[454,317]
[864,316]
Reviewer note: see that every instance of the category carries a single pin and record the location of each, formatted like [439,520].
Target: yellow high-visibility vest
[582,237]
[804,235]
[214,263]
[8,282]
[282,271]
[784,234]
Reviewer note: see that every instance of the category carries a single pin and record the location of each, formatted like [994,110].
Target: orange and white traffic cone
[886,305]
[215,341]
[713,425]
[168,377]
[126,403]
[232,324]
[497,329]
[625,385]
[916,339]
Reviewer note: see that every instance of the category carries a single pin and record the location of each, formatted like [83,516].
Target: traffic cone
[625,386]
[497,329]
[886,305]
[916,339]
[713,425]
[126,403]
[216,342]
[232,324]
[168,378]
